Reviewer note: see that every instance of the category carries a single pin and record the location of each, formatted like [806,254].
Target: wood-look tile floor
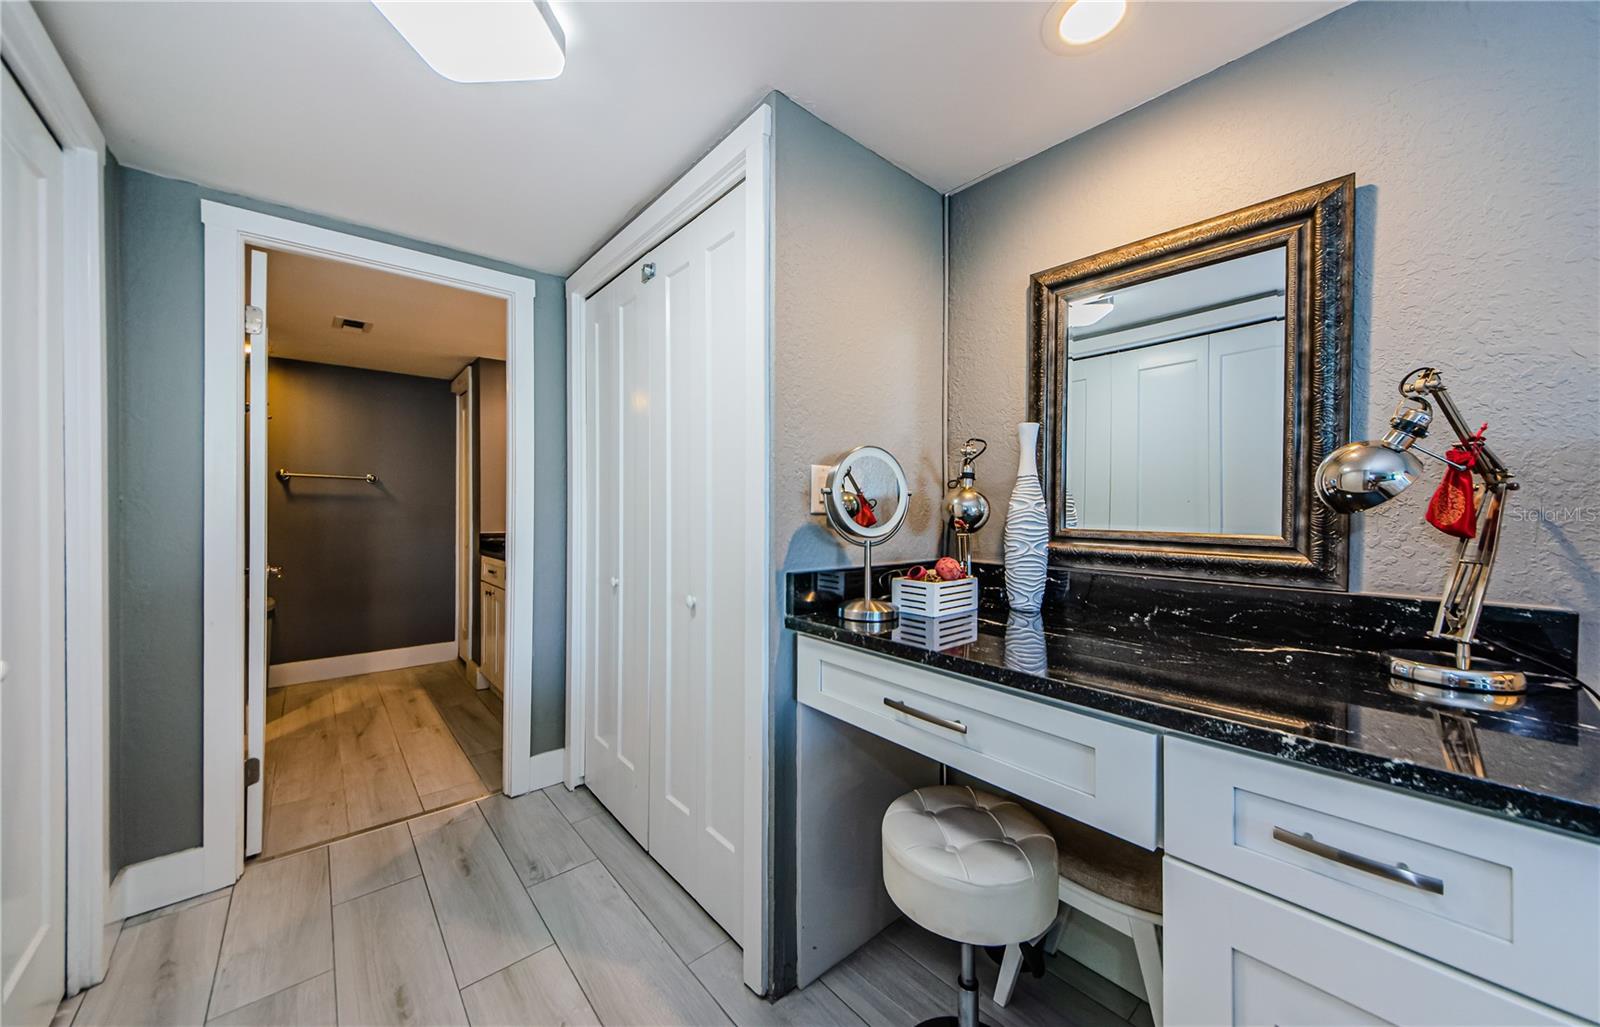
[354,753]
[534,910]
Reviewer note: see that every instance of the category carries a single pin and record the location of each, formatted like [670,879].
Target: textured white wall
[1471,130]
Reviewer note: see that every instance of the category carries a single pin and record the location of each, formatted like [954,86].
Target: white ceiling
[418,327]
[322,106]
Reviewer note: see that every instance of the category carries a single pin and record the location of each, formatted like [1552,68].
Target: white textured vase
[1027,527]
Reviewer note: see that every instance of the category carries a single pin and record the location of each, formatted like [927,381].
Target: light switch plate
[819,481]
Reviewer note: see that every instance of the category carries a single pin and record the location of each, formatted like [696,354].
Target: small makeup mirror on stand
[866,498]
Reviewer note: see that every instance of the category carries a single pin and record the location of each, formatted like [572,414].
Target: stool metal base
[966,997]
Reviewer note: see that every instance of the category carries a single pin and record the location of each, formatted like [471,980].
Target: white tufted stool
[971,867]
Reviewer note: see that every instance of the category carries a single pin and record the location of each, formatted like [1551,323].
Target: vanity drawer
[1233,955]
[1510,903]
[1091,770]
[494,572]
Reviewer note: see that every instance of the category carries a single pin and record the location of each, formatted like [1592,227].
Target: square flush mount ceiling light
[481,40]
[1089,310]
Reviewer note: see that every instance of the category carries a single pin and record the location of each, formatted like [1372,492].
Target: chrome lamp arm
[1361,475]
[1468,581]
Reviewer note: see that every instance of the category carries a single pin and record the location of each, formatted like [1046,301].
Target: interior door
[697,705]
[617,751]
[255,699]
[32,553]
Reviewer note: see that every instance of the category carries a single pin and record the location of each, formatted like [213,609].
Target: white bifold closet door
[617,751]
[671,509]
[33,674]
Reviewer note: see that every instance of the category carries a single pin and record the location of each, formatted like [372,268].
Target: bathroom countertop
[1322,702]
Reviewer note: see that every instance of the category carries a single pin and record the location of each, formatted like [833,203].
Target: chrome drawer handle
[911,711]
[1398,872]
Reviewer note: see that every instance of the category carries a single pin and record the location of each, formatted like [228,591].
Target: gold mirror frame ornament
[1317,227]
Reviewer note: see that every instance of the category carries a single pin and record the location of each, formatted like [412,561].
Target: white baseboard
[547,768]
[280,674]
[164,880]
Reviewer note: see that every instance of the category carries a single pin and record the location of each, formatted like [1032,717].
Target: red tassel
[1453,508]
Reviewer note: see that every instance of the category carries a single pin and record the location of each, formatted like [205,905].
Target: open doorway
[382,491]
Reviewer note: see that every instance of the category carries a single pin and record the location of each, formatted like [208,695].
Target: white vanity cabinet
[1236,956]
[1295,896]
[492,622]
[1090,769]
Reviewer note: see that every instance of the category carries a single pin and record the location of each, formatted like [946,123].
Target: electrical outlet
[819,481]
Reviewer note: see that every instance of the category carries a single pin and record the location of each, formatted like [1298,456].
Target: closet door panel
[635,335]
[733,614]
[679,724]
[605,529]
[696,810]
[616,756]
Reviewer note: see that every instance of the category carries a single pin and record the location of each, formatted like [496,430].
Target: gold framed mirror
[1187,386]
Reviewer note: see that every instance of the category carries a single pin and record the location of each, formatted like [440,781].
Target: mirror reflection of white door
[32,556]
[255,703]
[1160,455]
[1089,433]
[1246,390]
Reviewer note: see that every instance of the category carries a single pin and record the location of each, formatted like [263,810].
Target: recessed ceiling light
[481,40]
[1077,23]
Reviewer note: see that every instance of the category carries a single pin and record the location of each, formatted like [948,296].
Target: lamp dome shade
[1361,475]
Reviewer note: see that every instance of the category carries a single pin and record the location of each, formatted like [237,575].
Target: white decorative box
[934,598]
[937,632]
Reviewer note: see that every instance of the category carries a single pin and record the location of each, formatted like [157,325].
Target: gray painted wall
[1470,129]
[857,324]
[155,416]
[857,359]
[365,568]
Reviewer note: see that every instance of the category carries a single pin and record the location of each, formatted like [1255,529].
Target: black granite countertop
[1287,673]
[493,544]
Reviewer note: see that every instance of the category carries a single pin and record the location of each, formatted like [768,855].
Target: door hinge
[647,272]
[255,320]
[252,771]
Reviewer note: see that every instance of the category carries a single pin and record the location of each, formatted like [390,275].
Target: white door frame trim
[228,230]
[745,155]
[38,68]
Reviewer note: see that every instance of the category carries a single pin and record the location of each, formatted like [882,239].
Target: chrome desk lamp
[965,508]
[1360,475]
